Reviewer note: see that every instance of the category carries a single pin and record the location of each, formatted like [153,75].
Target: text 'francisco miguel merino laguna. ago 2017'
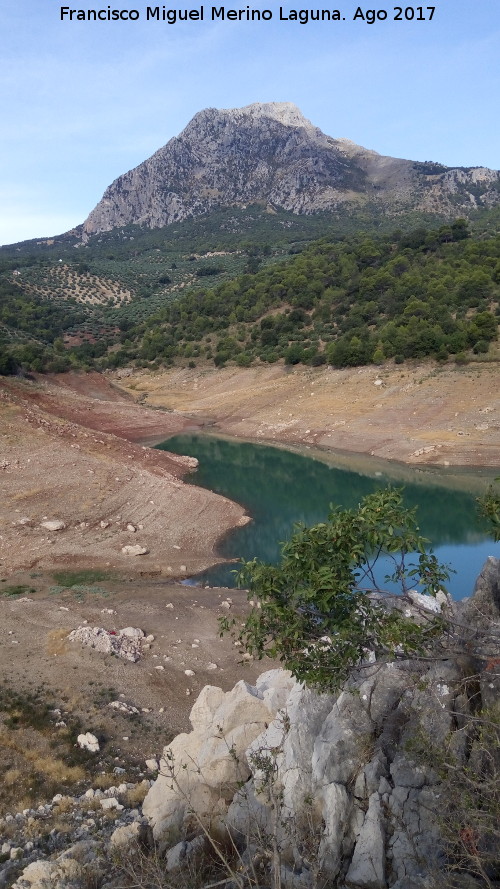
[220,13]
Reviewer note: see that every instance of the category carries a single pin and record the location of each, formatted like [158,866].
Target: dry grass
[35,752]
[104,781]
[37,760]
[57,641]
[135,797]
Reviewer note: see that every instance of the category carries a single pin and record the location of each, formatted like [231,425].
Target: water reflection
[278,487]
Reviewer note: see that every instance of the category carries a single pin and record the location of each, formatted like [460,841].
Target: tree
[322,610]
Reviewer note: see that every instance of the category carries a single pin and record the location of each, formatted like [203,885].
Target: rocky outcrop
[344,783]
[202,770]
[270,153]
[343,790]
[127,643]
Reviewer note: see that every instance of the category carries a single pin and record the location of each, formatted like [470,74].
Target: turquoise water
[279,487]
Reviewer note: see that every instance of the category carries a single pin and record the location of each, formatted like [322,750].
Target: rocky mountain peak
[285,113]
[269,153]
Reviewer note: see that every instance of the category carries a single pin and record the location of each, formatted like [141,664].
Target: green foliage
[205,271]
[350,302]
[14,590]
[362,294]
[489,506]
[79,578]
[322,610]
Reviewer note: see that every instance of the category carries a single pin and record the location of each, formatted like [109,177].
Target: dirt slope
[70,457]
[420,414]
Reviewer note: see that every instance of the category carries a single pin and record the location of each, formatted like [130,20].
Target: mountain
[269,153]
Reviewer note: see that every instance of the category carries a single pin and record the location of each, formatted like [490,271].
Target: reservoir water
[278,487]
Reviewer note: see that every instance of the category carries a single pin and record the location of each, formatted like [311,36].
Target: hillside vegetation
[350,302]
[247,285]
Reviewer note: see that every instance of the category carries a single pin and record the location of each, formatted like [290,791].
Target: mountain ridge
[269,153]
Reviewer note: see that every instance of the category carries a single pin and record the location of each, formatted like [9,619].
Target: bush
[322,609]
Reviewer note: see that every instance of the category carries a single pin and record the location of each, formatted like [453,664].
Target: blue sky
[82,102]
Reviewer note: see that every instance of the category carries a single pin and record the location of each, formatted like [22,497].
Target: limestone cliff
[270,153]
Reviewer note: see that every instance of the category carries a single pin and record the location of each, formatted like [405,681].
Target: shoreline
[422,416]
[87,466]
[365,464]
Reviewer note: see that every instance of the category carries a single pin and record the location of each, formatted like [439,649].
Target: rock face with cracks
[331,777]
[201,770]
[268,152]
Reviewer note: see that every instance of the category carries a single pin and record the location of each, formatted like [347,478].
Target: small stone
[111,803]
[53,525]
[135,550]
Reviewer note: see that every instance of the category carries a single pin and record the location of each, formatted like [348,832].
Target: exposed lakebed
[279,487]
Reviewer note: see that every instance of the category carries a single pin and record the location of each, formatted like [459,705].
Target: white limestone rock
[367,869]
[111,803]
[135,550]
[60,874]
[427,603]
[126,836]
[53,525]
[89,742]
[208,763]
[204,708]
[126,643]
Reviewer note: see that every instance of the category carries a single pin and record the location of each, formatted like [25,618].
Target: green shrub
[316,611]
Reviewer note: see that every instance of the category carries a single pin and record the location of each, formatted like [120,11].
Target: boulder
[65,874]
[111,803]
[89,742]
[126,836]
[135,550]
[202,769]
